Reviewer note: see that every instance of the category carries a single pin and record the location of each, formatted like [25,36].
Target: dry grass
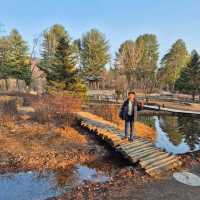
[35,146]
[58,107]
[108,113]
[8,110]
[71,135]
[142,130]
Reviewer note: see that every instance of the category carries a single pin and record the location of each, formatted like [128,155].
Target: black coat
[124,110]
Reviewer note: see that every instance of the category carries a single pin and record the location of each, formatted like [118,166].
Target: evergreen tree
[149,52]
[94,53]
[173,62]
[4,46]
[127,58]
[189,80]
[16,60]
[138,59]
[51,38]
[63,73]
[146,70]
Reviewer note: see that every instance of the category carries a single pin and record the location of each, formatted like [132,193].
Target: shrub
[8,110]
[57,107]
[109,112]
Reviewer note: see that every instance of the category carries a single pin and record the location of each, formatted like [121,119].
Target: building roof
[93,78]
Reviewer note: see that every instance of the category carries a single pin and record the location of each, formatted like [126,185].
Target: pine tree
[146,70]
[173,62]
[4,46]
[49,45]
[63,73]
[189,80]
[149,52]
[127,58]
[94,53]
[16,59]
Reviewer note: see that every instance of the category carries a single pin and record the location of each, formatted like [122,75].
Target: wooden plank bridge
[154,161]
[160,108]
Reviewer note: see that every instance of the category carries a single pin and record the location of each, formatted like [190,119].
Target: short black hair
[131,92]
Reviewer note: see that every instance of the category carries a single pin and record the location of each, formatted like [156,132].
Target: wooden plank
[136,157]
[159,166]
[135,143]
[133,149]
[111,139]
[162,171]
[130,145]
[138,140]
[100,130]
[92,128]
[119,142]
[115,138]
[110,136]
[152,160]
[103,133]
[164,160]
[140,151]
[154,155]
[118,135]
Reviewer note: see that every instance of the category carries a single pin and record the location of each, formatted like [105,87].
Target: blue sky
[119,20]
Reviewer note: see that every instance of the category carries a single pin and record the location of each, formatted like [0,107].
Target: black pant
[129,126]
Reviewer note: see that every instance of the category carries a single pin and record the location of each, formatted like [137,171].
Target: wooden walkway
[157,108]
[154,161]
[171,110]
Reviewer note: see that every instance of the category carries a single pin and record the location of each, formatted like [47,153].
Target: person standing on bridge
[128,113]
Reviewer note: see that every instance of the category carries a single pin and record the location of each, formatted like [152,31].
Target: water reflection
[28,185]
[35,185]
[176,134]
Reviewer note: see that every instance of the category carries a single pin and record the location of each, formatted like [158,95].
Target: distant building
[39,78]
[37,86]
[94,82]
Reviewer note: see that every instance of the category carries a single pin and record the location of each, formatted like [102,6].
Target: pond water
[33,185]
[176,134]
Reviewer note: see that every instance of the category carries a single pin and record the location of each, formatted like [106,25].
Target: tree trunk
[17,84]
[6,83]
[193,95]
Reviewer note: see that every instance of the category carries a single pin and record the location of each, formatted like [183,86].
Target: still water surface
[176,134]
[33,185]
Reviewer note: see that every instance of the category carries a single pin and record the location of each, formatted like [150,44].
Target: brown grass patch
[71,135]
[110,113]
[36,146]
[58,107]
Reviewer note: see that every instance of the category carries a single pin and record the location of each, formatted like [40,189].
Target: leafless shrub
[7,120]
[58,107]
[10,106]
[43,109]
[109,112]
[8,112]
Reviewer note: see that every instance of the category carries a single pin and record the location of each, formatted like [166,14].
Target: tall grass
[109,112]
[8,110]
[58,107]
